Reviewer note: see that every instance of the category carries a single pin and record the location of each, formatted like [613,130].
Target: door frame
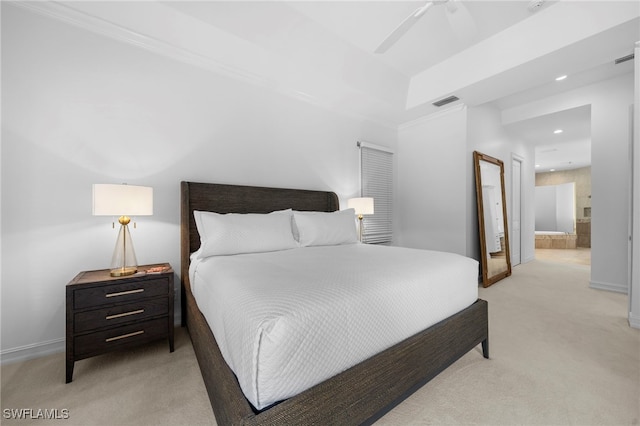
[516,197]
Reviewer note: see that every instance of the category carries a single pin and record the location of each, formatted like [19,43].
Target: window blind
[376,169]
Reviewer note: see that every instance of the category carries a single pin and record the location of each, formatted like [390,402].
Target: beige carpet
[580,255]
[561,354]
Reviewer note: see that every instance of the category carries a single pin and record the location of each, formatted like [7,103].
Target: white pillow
[235,233]
[325,229]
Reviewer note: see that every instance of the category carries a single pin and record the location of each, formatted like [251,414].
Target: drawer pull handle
[124,293]
[124,314]
[124,336]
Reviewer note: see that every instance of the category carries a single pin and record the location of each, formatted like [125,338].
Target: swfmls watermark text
[35,413]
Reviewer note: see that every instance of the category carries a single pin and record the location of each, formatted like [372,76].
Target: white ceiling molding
[312,53]
[436,115]
[70,14]
[165,31]
[510,50]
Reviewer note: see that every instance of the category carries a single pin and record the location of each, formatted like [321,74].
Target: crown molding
[82,18]
[432,116]
[97,25]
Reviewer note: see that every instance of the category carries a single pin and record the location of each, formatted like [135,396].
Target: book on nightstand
[157,270]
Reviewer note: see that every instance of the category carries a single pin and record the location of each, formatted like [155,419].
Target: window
[376,177]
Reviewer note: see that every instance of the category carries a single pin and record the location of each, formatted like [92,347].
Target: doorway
[568,210]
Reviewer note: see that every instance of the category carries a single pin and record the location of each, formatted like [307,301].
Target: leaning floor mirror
[492,218]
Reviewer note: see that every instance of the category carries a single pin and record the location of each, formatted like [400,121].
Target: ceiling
[440,34]
[568,149]
[365,24]
[503,52]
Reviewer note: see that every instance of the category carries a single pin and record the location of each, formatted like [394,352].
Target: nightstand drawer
[119,337]
[120,314]
[106,313]
[118,293]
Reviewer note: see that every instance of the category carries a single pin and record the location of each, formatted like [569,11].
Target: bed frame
[360,395]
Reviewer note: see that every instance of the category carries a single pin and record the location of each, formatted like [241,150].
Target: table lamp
[362,206]
[123,201]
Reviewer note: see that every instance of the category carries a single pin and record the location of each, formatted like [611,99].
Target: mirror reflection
[492,218]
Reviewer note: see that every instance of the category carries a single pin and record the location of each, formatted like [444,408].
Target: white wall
[79,109]
[436,180]
[431,180]
[610,184]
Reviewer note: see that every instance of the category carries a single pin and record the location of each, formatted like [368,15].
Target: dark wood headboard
[221,198]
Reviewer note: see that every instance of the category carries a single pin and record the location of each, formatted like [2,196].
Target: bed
[360,394]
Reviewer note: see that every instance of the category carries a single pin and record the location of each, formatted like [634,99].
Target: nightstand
[106,313]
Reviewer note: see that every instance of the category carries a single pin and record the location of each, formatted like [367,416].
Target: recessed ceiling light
[562,77]
[552,170]
[557,131]
[537,165]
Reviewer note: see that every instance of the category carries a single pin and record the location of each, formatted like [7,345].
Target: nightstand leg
[171,333]
[69,371]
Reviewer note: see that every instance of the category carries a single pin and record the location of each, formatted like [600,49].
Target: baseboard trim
[634,321]
[50,347]
[35,350]
[618,288]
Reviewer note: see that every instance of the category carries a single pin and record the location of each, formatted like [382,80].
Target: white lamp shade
[122,200]
[362,205]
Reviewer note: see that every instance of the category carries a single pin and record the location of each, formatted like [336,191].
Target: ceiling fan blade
[404,26]
[461,21]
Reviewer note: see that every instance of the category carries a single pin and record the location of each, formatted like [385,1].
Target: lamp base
[123,272]
[124,260]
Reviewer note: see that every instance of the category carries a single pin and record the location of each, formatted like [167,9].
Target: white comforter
[287,320]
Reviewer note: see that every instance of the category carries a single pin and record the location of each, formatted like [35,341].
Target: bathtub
[555,240]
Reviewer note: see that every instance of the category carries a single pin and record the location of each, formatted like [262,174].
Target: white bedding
[287,320]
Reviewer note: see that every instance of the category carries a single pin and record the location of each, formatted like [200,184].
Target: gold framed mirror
[492,218]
